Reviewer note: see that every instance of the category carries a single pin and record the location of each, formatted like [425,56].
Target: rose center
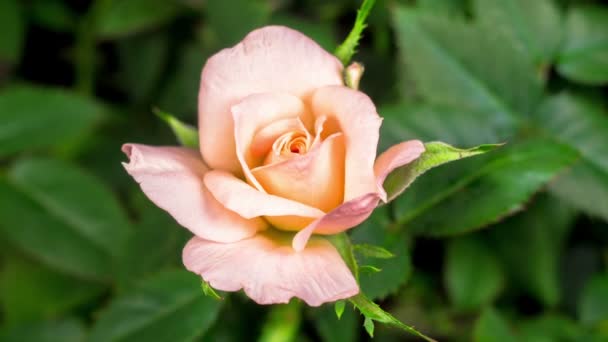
[288,146]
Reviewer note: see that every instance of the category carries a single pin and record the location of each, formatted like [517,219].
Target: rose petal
[396,156]
[346,216]
[248,202]
[270,271]
[255,113]
[172,177]
[270,59]
[315,179]
[356,116]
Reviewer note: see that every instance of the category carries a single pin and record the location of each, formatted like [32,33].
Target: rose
[287,152]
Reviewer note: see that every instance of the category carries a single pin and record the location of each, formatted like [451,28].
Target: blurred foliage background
[510,246]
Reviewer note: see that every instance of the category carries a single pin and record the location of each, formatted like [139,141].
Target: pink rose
[287,156]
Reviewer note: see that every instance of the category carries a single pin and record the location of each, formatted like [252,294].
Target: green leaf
[63,217]
[593,304]
[64,330]
[118,18]
[321,32]
[495,185]
[347,49]
[372,251]
[453,63]
[167,307]
[536,239]
[373,312]
[209,291]
[584,54]
[12,31]
[435,154]
[535,26]
[492,327]
[473,276]
[583,124]
[36,117]
[549,328]
[396,271]
[229,21]
[282,323]
[339,307]
[186,135]
[29,292]
[54,15]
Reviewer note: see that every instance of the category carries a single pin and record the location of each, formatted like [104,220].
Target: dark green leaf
[479,192]
[36,117]
[593,304]
[282,323]
[12,31]
[321,33]
[64,330]
[584,54]
[55,15]
[229,21]
[124,17]
[29,292]
[167,307]
[582,124]
[454,63]
[535,239]
[63,216]
[347,49]
[436,153]
[551,328]
[535,26]
[473,277]
[185,134]
[492,327]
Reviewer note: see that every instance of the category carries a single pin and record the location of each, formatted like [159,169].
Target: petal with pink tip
[270,271]
[258,120]
[172,177]
[248,202]
[396,156]
[356,116]
[270,59]
[344,217]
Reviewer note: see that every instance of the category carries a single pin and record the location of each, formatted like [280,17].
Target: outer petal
[315,178]
[248,202]
[258,112]
[396,156]
[356,116]
[270,271]
[271,59]
[346,216]
[172,177]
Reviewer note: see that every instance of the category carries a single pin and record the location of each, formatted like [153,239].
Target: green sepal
[339,307]
[186,135]
[372,251]
[209,291]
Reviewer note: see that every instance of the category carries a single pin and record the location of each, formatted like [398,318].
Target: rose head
[287,156]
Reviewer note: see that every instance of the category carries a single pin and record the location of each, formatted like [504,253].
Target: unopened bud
[352,75]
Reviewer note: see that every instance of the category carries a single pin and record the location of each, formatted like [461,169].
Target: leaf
[582,124]
[491,327]
[12,31]
[185,134]
[436,153]
[534,26]
[495,185]
[395,271]
[371,251]
[64,330]
[166,307]
[453,63]
[535,238]
[473,276]
[37,117]
[29,291]
[347,49]
[322,33]
[593,304]
[120,18]
[54,15]
[229,21]
[584,54]
[373,312]
[63,217]
[550,328]
[282,323]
